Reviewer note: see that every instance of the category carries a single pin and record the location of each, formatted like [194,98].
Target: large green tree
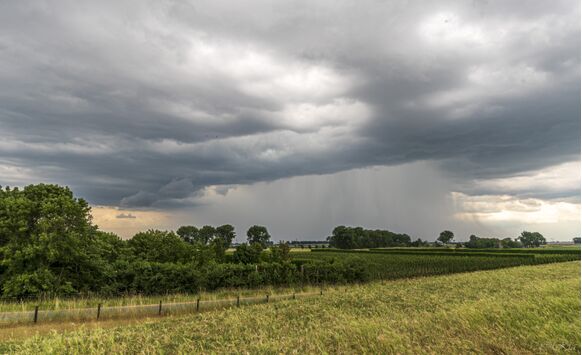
[258,235]
[531,239]
[188,233]
[206,235]
[446,236]
[47,242]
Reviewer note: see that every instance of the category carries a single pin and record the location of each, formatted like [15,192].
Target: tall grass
[59,303]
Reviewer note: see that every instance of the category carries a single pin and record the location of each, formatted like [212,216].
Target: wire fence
[134,311]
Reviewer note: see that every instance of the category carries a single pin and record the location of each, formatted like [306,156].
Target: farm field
[314,269]
[528,309]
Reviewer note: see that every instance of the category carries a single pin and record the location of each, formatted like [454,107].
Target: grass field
[528,309]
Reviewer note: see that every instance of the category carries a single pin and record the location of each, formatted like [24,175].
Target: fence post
[293,295]
[238,300]
[35,314]
[267,298]
[198,304]
[98,310]
[160,309]
[321,291]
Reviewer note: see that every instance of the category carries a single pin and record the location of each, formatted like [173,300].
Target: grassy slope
[531,309]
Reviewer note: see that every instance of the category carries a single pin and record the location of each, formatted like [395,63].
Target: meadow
[527,309]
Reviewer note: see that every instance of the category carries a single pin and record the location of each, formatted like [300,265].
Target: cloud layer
[144,105]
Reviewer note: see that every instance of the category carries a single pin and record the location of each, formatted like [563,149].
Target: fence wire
[133,311]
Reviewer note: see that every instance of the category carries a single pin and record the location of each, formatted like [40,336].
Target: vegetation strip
[525,310]
[50,247]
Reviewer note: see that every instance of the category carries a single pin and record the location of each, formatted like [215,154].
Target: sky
[411,116]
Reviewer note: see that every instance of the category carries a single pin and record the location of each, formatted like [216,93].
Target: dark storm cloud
[145,104]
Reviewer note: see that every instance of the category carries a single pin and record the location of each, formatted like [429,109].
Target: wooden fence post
[238,300]
[198,304]
[267,298]
[293,295]
[35,314]
[160,309]
[98,310]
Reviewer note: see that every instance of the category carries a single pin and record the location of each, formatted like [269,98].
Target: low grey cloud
[146,104]
[125,216]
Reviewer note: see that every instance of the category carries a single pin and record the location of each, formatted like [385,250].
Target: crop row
[568,251]
[395,265]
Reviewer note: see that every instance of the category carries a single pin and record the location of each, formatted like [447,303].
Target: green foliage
[47,242]
[219,239]
[258,235]
[531,239]
[526,310]
[188,233]
[419,243]
[481,243]
[205,235]
[247,254]
[48,245]
[510,243]
[160,246]
[224,235]
[394,264]
[280,252]
[446,236]
[356,238]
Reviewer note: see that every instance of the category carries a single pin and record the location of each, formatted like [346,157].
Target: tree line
[359,238]
[524,240]
[49,245]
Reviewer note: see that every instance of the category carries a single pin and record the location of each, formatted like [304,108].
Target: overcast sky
[412,116]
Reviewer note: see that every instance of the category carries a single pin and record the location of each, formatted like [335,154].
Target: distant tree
[205,235]
[419,243]
[188,233]
[510,243]
[576,240]
[446,236]
[476,242]
[357,237]
[342,237]
[531,239]
[258,235]
[224,235]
